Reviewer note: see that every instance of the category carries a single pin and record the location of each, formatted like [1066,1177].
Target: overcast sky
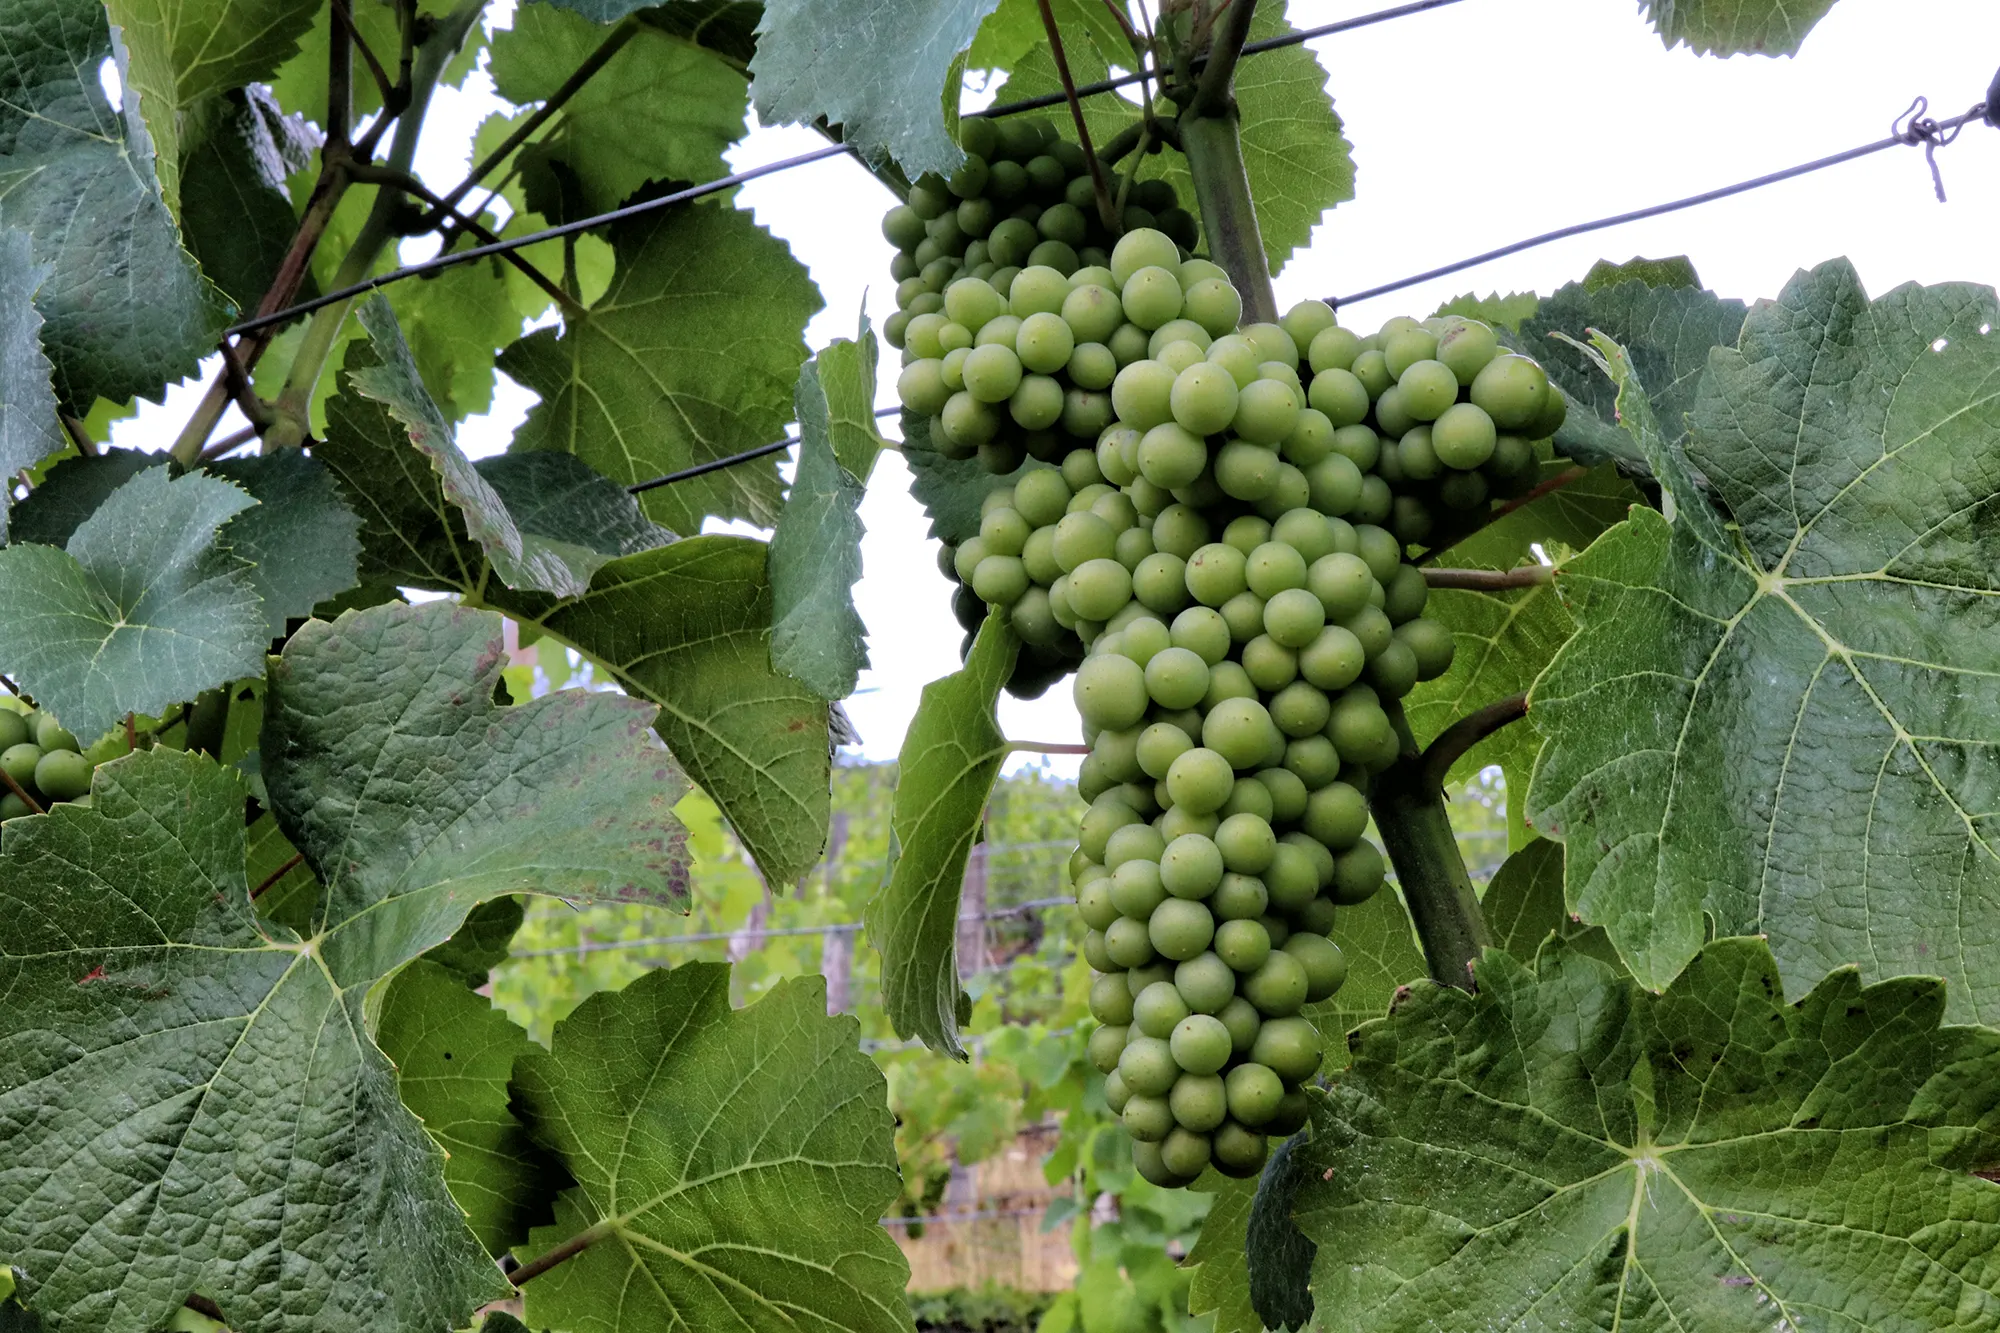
[1473,126]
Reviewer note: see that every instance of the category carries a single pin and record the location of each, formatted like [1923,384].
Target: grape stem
[1407,800]
[205,1307]
[1490,580]
[287,868]
[78,436]
[1045,747]
[1455,740]
[569,1249]
[1211,135]
[1106,211]
[34,806]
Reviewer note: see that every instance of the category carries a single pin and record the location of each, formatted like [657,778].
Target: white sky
[1473,126]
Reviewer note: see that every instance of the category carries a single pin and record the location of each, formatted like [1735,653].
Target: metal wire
[717,464]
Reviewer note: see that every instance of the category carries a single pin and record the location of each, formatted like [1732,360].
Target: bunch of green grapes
[1013,319]
[1230,557]
[45,761]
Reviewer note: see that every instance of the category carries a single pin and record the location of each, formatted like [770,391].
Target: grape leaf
[557,498]
[688,627]
[1220,1257]
[1015,28]
[71,491]
[456,322]
[661,109]
[235,211]
[1505,312]
[1735,27]
[28,429]
[734,1161]
[951,490]
[1298,162]
[1382,957]
[727,27]
[1668,332]
[1567,1150]
[690,356]
[145,607]
[126,308]
[1673,271]
[875,68]
[482,943]
[300,83]
[944,774]
[187,1094]
[816,634]
[1788,725]
[301,539]
[454,1054]
[175,62]
[1523,906]
[1280,1256]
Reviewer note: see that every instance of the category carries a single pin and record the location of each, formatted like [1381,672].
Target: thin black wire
[1931,134]
[1249,49]
[717,464]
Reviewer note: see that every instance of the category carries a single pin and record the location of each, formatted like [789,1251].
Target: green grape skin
[14,729]
[1375,503]
[1266,411]
[1185,1154]
[1202,630]
[1462,491]
[1292,491]
[1198,1100]
[1253,1092]
[1274,567]
[999,332]
[1147,1065]
[1091,366]
[1200,780]
[1180,531]
[1305,321]
[19,762]
[1288,794]
[1340,583]
[1093,900]
[1010,241]
[1110,691]
[1243,943]
[1178,330]
[1340,396]
[1203,398]
[921,387]
[1107,814]
[1407,346]
[1180,928]
[1200,1046]
[1431,644]
[1362,734]
[1116,1095]
[1405,594]
[1291,879]
[1300,709]
[1512,390]
[1215,573]
[1158,1009]
[1142,248]
[1393,671]
[1248,797]
[1277,987]
[1110,1000]
[1044,343]
[1294,617]
[1134,844]
[1094,954]
[1357,875]
[1293,1112]
[1314,761]
[1380,550]
[1176,678]
[1000,580]
[1178,822]
[1309,533]
[1555,411]
[1141,635]
[1237,1152]
[1464,436]
[1325,964]
[1270,665]
[1099,589]
[1005,531]
[1205,983]
[1036,404]
[1239,898]
[1466,348]
[1247,843]
[1138,978]
[1079,469]
[62,774]
[1272,343]
[992,373]
[1128,943]
[1426,389]
[1311,439]
[1038,289]
[1159,745]
[1142,394]
[1192,271]
[1246,471]
[1416,456]
[1105,1046]
[1240,731]
[1127,344]
[1151,297]
[1289,1048]
[1147,1119]
[1335,816]
[1042,497]
[1081,537]
[1333,348]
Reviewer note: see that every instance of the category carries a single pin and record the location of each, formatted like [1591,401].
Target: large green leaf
[235,210]
[816,634]
[183,53]
[1015,28]
[145,607]
[127,310]
[301,539]
[727,27]
[689,357]
[661,109]
[1220,1255]
[188,1094]
[1733,27]
[1298,163]
[951,490]
[482,943]
[1566,1150]
[1667,331]
[456,322]
[1523,906]
[688,627]
[28,428]
[734,1161]
[1788,725]
[944,774]
[1382,957]
[885,71]
[454,1053]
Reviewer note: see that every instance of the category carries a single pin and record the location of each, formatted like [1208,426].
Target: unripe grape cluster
[1013,316]
[45,761]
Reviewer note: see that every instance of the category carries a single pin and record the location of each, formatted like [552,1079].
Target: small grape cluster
[1230,558]
[43,760]
[1012,318]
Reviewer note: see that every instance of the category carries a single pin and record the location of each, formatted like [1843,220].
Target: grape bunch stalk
[1225,562]
[44,763]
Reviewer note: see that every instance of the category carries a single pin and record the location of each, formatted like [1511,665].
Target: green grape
[1314,761]
[1277,987]
[1138,978]
[1150,1163]
[1247,844]
[1128,944]
[1147,1119]
[1099,589]
[951,337]
[1179,822]
[969,179]
[1004,530]
[1240,730]
[1214,304]
[1292,878]
[1416,456]
[1215,573]
[1512,457]
[1380,550]
[1311,439]
[1239,898]
[1269,664]
[1000,580]
[1177,330]
[1357,874]
[1128,344]
[1466,348]
[1293,1112]
[1158,1009]
[1254,1091]
[1310,534]
[1192,271]
[1432,645]
[1010,241]
[1134,844]
[19,761]
[1159,581]
[1144,636]
[1185,1154]
[1042,497]
[1092,313]
[1306,321]
[1036,404]
[1243,1021]
[1081,538]
[1464,436]
[1274,567]
[1180,928]
[1359,445]
[1111,691]
[1462,491]
[1243,943]
[1159,745]
[1360,730]
[920,336]
[1079,469]
[1272,343]
[998,332]
[1191,866]
[1057,255]
[1110,1000]
[1325,964]
[1203,630]
[1392,418]
[1288,1047]
[1334,485]
[966,558]
[1177,678]
[1315,918]
[1094,954]
[1198,1101]
[1151,297]
[1093,900]
[1555,411]
[1105,1047]
[972,303]
[1246,471]
[13,729]
[992,373]
[952,369]
[1044,343]
[1288,794]
[1116,1095]
[13,807]
[1393,671]
[1404,597]
[1407,346]
[1199,780]
[1332,348]
[1372,370]
[1266,411]
[1293,491]
[1005,180]
[1143,248]
[1426,389]
[1107,814]
[1206,984]
[1178,356]
[1142,394]
[1335,816]
[1038,290]
[921,387]
[1203,398]
[1512,390]
[1237,355]
[1237,1152]
[1300,709]
[1093,275]
[1341,583]
[903,227]
[1117,450]
[1085,414]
